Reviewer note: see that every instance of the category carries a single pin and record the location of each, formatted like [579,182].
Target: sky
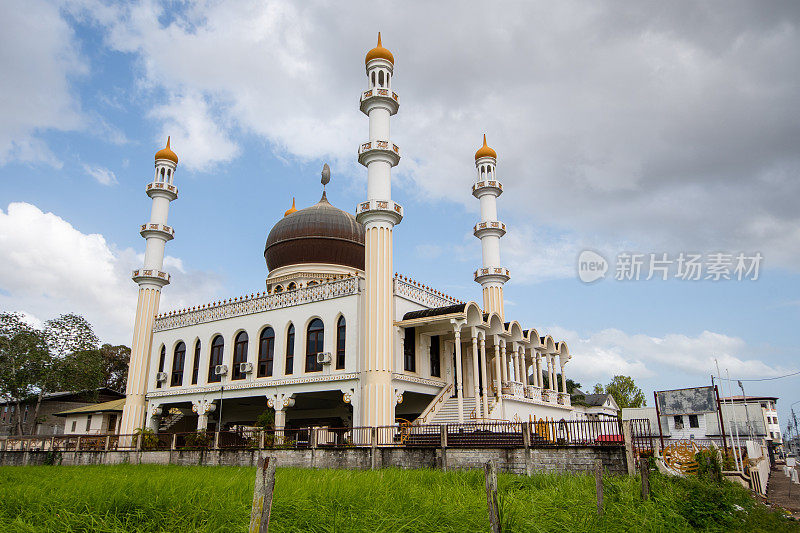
[649,128]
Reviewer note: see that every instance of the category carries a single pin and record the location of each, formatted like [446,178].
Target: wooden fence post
[526,442]
[108,442]
[492,500]
[373,447]
[627,435]
[262,439]
[78,445]
[598,483]
[443,444]
[644,468]
[216,440]
[174,445]
[262,495]
[139,442]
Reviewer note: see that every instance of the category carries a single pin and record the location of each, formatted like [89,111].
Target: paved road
[781,491]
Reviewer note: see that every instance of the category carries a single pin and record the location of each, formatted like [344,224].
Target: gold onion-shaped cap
[291,210]
[485,151]
[379,52]
[166,153]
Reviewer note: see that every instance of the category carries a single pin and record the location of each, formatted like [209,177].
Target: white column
[460,374]
[504,360]
[475,374]
[498,370]
[563,381]
[484,374]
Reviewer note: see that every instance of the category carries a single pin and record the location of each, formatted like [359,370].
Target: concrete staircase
[448,413]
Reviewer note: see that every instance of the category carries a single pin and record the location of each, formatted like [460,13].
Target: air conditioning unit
[324,358]
[161,377]
[221,370]
[245,368]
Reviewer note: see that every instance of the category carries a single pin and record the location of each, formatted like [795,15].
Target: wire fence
[486,434]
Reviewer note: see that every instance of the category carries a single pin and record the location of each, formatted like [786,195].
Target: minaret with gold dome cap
[379,214]
[151,279]
[487,188]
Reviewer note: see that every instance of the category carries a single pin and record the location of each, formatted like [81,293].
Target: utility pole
[746,411]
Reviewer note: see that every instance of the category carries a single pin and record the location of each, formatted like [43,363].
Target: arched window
[161,359]
[314,345]
[289,350]
[196,362]
[162,174]
[311,283]
[239,355]
[217,347]
[178,358]
[266,352]
[291,286]
[373,78]
[277,289]
[340,342]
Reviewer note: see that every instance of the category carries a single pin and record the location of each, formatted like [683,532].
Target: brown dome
[317,234]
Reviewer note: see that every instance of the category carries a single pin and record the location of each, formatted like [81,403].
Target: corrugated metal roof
[113,405]
[436,311]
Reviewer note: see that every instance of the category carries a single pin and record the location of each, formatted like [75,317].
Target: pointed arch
[161,361]
[196,362]
[289,368]
[215,358]
[266,352]
[240,345]
[341,342]
[178,360]
[315,333]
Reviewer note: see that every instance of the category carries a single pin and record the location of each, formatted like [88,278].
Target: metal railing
[474,434]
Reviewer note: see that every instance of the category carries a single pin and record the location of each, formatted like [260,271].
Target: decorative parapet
[247,305]
[149,229]
[491,273]
[379,149]
[487,187]
[143,275]
[422,294]
[379,97]
[258,383]
[491,227]
[160,186]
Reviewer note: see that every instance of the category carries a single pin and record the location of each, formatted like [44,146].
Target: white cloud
[38,57]
[198,136]
[103,175]
[49,268]
[611,351]
[655,128]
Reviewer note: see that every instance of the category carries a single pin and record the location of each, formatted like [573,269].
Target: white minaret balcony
[161,231]
[379,150]
[159,188]
[148,275]
[493,228]
[481,188]
[492,274]
[389,210]
[379,97]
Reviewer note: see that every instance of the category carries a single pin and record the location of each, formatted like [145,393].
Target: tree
[624,391]
[115,361]
[23,355]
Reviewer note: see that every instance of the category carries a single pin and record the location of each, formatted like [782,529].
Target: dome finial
[485,150]
[326,175]
[379,52]
[167,153]
[291,210]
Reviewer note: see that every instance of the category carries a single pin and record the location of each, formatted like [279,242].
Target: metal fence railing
[478,434]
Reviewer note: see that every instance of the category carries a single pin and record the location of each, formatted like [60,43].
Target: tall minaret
[489,230]
[150,279]
[379,214]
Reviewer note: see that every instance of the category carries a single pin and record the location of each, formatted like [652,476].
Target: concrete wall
[573,459]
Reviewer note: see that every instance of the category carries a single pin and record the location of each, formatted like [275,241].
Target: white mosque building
[337,338]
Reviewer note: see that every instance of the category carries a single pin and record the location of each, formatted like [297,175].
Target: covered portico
[485,361]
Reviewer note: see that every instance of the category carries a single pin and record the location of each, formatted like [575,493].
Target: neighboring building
[338,338]
[93,419]
[594,406]
[704,426]
[769,413]
[53,403]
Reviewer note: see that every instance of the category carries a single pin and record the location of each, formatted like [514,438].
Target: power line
[770,379]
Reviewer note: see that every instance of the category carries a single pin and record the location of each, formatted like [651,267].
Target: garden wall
[573,459]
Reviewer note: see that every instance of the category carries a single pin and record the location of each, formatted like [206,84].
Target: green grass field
[131,498]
